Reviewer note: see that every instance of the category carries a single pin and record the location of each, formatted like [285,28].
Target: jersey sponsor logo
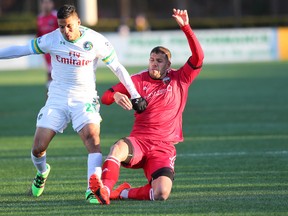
[159,92]
[72,61]
[87,45]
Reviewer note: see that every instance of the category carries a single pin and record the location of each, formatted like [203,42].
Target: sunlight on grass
[233,160]
[105,75]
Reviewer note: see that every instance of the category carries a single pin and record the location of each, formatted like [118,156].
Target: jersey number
[90,107]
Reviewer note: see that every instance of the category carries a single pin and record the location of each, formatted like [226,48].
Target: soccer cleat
[90,197]
[101,193]
[115,194]
[39,182]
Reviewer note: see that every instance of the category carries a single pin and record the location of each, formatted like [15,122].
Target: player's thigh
[121,150]
[160,162]
[136,153]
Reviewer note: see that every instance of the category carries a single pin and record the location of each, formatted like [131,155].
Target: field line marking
[219,154]
[206,154]
[244,137]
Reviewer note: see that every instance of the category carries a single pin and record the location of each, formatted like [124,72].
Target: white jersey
[74,63]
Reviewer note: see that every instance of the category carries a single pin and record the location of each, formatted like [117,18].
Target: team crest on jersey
[88,45]
[108,45]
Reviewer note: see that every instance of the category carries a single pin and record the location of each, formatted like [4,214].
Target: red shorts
[151,155]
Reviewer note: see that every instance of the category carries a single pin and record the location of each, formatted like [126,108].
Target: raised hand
[181,17]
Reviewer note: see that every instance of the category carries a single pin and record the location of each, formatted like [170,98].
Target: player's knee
[38,148]
[162,194]
[90,134]
[37,153]
[162,181]
[94,139]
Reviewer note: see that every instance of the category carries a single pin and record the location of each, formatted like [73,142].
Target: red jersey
[162,119]
[46,23]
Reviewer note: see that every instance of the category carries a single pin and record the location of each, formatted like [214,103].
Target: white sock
[94,164]
[39,163]
[124,194]
[151,194]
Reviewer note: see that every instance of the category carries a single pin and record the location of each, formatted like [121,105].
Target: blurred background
[18,17]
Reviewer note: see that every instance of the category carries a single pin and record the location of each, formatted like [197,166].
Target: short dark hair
[66,11]
[160,49]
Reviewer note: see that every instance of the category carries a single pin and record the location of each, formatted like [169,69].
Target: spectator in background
[141,23]
[47,22]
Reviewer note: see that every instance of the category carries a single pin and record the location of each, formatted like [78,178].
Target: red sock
[110,172]
[141,193]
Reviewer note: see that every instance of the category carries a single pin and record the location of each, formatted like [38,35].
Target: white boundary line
[182,155]
[220,154]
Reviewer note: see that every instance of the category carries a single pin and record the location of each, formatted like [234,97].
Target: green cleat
[39,182]
[91,198]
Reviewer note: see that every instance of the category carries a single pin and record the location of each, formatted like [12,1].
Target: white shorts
[59,111]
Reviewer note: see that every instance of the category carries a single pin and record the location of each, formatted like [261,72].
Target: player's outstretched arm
[195,61]
[139,104]
[15,52]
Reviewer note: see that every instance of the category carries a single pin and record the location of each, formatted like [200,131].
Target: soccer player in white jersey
[72,94]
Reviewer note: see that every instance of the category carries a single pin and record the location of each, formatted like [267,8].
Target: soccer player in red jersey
[47,22]
[151,144]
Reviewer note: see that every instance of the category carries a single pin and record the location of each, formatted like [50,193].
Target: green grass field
[234,160]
